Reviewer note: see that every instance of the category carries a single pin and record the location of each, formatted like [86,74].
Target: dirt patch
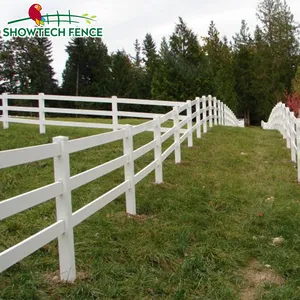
[54,278]
[165,185]
[123,216]
[256,276]
[185,163]
[140,218]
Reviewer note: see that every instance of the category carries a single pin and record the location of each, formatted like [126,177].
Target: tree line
[250,73]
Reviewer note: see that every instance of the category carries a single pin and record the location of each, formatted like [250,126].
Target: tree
[296,82]
[151,62]
[184,43]
[122,75]
[280,34]
[220,67]
[26,66]
[180,72]
[243,67]
[137,59]
[87,69]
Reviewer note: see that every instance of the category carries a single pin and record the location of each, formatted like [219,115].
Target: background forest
[250,72]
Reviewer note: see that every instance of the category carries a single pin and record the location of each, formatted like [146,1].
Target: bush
[293,102]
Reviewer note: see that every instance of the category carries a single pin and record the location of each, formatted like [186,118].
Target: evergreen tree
[220,70]
[243,67]
[87,69]
[137,58]
[280,48]
[296,82]
[184,43]
[151,62]
[180,73]
[26,66]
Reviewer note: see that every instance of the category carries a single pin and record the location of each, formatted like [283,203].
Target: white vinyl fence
[41,109]
[284,120]
[206,111]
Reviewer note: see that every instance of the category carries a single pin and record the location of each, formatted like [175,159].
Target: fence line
[60,149]
[41,109]
[283,120]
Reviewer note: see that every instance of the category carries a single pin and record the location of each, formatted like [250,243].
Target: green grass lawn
[194,234]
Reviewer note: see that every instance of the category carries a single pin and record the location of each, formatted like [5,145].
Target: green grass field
[194,234]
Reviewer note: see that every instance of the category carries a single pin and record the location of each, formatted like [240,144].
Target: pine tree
[151,62]
[137,47]
[88,68]
[26,66]
[220,70]
[122,75]
[243,67]
[184,43]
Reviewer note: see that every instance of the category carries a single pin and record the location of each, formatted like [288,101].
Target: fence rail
[283,120]
[205,110]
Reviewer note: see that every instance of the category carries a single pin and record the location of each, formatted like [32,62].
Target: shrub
[293,102]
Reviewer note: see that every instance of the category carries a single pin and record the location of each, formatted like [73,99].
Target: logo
[53,25]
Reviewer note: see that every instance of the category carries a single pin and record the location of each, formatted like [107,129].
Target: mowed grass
[193,236]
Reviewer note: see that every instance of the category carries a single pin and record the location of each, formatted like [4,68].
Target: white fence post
[298,147]
[198,118]
[64,212]
[283,120]
[190,123]
[129,171]
[219,112]
[204,108]
[293,142]
[288,129]
[215,111]
[5,111]
[42,117]
[210,111]
[157,152]
[225,115]
[114,106]
[177,135]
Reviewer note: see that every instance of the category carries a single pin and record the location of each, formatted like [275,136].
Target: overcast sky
[124,21]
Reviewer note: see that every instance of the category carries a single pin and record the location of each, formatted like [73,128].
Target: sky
[125,21]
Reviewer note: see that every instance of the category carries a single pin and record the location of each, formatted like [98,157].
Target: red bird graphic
[35,15]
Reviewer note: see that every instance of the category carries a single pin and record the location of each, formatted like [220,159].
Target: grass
[194,234]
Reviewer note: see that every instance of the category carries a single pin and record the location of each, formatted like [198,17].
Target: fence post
[157,152]
[64,212]
[204,108]
[225,115]
[282,122]
[5,111]
[129,171]
[293,142]
[219,112]
[177,135]
[42,117]
[114,109]
[288,129]
[215,111]
[210,111]
[198,118]
[190,123]
[298,147]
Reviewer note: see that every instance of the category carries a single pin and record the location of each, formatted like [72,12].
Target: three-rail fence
[206,112]
[284,120]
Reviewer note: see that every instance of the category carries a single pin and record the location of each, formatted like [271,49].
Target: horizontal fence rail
[227,117]
[205,111]
[284,120]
